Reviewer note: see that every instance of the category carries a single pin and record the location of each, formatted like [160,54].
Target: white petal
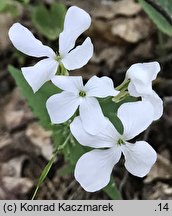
[92,116]
[94,168]
[139,158]
[107,137]
[79,56]
[140,89]
[100,87]
[62,106]
[40,73]
[135,117]
[142,75]
[76,22]
[69,83]
[144,72]
[157,104]
[24,41]
[132,90]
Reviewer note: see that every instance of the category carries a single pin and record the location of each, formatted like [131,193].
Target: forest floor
[122,36]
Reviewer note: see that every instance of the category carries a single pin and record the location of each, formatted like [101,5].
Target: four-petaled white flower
[76,22]
[62,106]
[94,168]
[141,76]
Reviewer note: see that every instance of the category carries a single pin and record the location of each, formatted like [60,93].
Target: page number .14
[163,207]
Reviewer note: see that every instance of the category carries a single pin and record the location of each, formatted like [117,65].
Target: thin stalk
[123,85]
[48,166]
[64,144]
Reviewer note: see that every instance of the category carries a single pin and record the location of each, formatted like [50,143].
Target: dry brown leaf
[101,29]
[16,112]
[107,8]
[5,139]
[40,138]
[161,169]
[21,185]
[110,55]
[12,184]
[110,9]
[6,21]
[120,30]
[156,191]
[13,167]
[144,50]
[88,5]
[131,30]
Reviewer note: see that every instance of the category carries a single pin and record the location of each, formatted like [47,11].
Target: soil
[122,36]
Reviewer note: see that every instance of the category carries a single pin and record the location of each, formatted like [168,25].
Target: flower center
[82,93]
[58,58]
[61,69]
[120,142]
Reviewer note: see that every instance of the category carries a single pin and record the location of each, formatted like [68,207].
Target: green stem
[123,85]
[121,96]
[48,166]
[62,70]
[44,175]
[112,191]
[123,91]
[64,144]
[35,192]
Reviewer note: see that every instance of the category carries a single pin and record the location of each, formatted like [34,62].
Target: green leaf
[23,1]
[110,109]
[112,191]
[76,149]
[9,6]
[156,17]
[49,22]
[66,170]
[38,100]
[3,5]
[44,175]
[72,150]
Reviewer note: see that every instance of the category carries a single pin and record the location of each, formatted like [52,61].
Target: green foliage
[60,134]
[110,109]
[36,101]
[9,6]
[23,1]
[156,17]
[111,190]
[49,22]
[63,140]
[3,5]
[44,175]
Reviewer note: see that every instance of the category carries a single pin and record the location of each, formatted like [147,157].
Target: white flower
[62,106]
[76,22]
[141,76]
[94,168]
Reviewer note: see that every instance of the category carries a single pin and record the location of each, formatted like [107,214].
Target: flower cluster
[80,102]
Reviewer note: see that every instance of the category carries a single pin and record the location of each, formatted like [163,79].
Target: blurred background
[122,34]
